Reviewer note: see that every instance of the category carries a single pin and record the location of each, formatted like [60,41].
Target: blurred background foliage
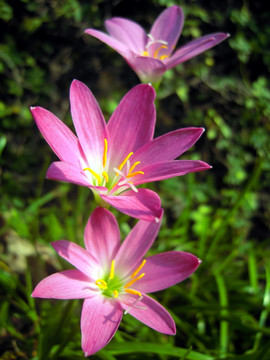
[222,215]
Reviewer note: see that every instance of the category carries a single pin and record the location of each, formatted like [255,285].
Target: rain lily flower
[113,277]
[112,159]
[150,55]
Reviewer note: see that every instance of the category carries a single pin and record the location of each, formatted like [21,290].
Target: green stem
[265,312]
[224,325]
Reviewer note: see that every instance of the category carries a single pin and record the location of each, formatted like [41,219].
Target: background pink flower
[150,55]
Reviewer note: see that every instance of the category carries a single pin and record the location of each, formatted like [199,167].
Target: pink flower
[112,277]
[112,159]
[150,55]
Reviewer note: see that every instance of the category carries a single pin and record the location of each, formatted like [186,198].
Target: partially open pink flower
[112,159]
[112,277]
[150,55]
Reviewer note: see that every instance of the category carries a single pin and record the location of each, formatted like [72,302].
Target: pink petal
[132,123]
[168,169]
[77,256]
[99,321]
[149,312]
[167,27]
[102,236]
[60,138]
[68,284]
[127,32]
[63,171]
[148,69]
[110,41]
[135,246]
[165,270]
[168,146]
[144,204]
[194,48]
[89,123]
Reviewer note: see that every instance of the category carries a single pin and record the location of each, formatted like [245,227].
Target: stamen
[158,50]
[138,269]
[112,270]
[163,57]
[145,53]
[134,280]
[101,284]
[120,167]
[134,174]
[133,292]
[94,174]
[133,166]
[105,152]
[105,175]
[115,293]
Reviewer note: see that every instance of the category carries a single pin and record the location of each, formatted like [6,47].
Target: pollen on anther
[105,152]
[133,281]
[138,269]
[112,270]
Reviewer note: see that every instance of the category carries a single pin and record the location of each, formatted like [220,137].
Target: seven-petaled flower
[112,159]
[111,276]
[150,55]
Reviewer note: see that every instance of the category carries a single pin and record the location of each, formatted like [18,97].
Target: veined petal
[99,321]
[59,137]
[135,246]
[63,171]
[168,169]
[168,146]
[68,284]
[165,270]
[149,312]
[77,256]
[107,39]
[194,48]
[168,27]
[102,236]
[89,123]
[127,32]
[144,204]
[132,123]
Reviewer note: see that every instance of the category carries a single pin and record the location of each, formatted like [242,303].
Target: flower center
[153,48]
[112,285]
[120,181]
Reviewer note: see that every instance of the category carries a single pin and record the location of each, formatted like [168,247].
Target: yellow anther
[163,57]
[133,281]
[105,152]
[112,270]
[101,284]
[138,269]
[158,50]
[94,174]
[105,175]
[115,293]
[145,53]
[133,166]
[134,174]
[134,292]
[120,167]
